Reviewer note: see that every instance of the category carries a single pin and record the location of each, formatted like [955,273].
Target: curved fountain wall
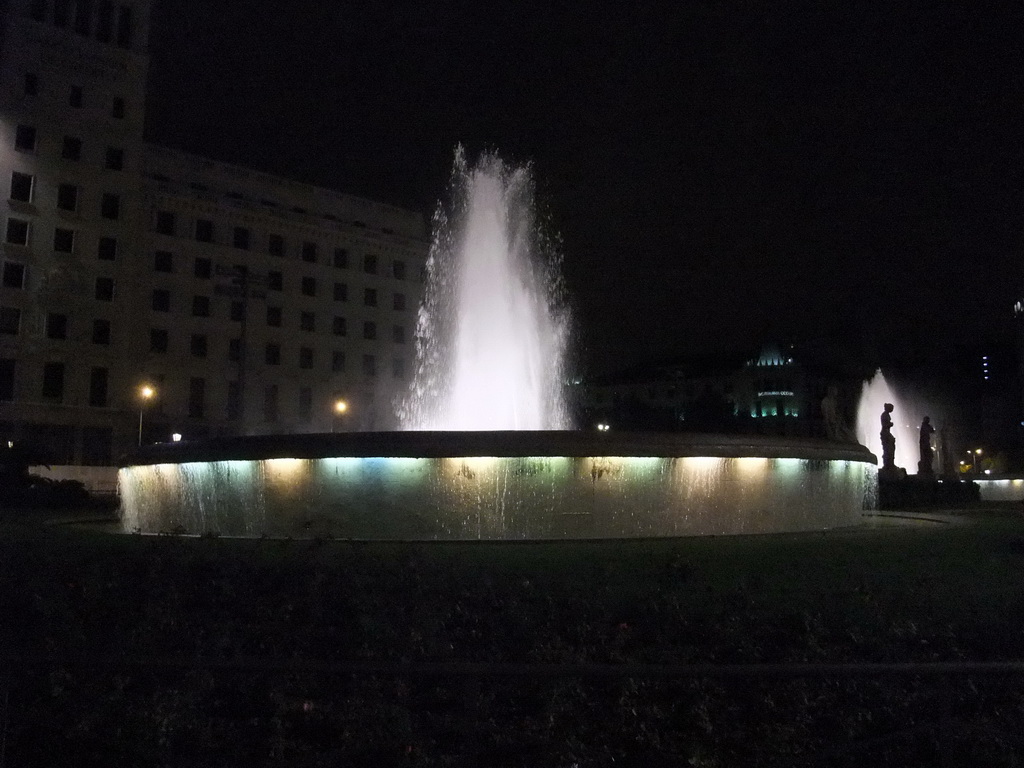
[497,485]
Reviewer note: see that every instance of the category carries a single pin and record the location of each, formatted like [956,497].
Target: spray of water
[906,418]
[491,332]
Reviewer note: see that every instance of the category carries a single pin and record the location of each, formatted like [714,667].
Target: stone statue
[835,427]
[924,466]
[888,440]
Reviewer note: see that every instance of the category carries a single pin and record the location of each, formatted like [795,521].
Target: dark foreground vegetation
[163,651]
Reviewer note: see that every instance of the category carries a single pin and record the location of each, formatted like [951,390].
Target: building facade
[248,303]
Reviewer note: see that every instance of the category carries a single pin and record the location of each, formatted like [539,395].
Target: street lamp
[340,409]
[146,393]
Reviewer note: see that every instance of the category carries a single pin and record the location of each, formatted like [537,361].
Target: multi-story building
[249,303]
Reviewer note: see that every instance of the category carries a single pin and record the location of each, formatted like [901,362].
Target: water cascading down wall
[495,485]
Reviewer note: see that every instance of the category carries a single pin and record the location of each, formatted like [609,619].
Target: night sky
[831,173]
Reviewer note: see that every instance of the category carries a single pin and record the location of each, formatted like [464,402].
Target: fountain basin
[495,485]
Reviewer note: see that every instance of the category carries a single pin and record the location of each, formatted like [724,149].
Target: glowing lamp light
[340,407]
[176,437]
[603,427]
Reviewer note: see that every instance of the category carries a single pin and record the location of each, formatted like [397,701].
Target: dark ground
[130,650]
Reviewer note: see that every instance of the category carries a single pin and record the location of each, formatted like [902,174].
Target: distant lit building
[250,303]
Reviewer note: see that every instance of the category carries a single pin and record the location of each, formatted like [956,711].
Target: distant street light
[146,393]
[340,409]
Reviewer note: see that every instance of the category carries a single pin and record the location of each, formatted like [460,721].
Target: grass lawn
[893,594]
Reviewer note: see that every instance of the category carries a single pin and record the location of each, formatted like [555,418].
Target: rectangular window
[339,327]
[165,222]
[204,230]
[53,381]
[115,159]
[75,96]
[117,108]
[202,268]
[21,187]
[17,232]
[270,403]
[110,206]
[200,306]
[13,275]
[398,368]
[398,269]
[307,321]
[72,148]
[163,261]
[197,345]
[398,302]
[10,320]
[83,17]
[234,350]
[105,21]
[25,138]
[158,340]
[104,289]
[31,85]
[272,354]
[6,379]
[369,330]
[237,312]
[370,297]
[338,361]
[340,292]
[98,378]
[56,325]
[196,397]
[124,27]
[369,365]
[275,280]
[305,358]
[67,197]
[370,264]
[305,403]
[106,249]
[37,10]
[161,300]
[309,252]
[274,317]
[309,286]
[61,12]
[234,403]
[275,245]
[398,334]
[63,240]
[101,332]
[241,238]
[340,258]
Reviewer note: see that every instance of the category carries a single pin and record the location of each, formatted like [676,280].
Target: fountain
[907,416]
[491,338]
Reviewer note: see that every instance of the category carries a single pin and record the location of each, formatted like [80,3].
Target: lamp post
[146,393]
[340,409]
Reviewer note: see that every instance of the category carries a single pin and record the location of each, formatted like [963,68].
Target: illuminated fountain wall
[497,485]
[490,334]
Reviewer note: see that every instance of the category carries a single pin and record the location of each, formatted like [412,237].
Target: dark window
[165,222]
[75,97]
[274,316]
[369,365]
[305,357]
[83,17]
[37,10]
[25,138]
[124,27]
[21,187]
[202,268]
[398,302]
[200,306]
[110,207]
[163,261]
[234,404]
[370,264]
[234,350]
[340,292]
[307,321]
[161,300]
[275,280]
[309,252]
[158,340]
[17,232]
[309,286]
[370,297]
[340,258]
[6,379]
[398,269]
[115,159]
[56,326]
[100,331]
[270,402]
[53,381]
[10,320]
[117,108]
[67,197]
[107,248]
[305,403]
[398,334]
[337,361]
[241,238]
[272,354]
[104,289]
[204,230]
[13,275]
[63,240]
[71,148]
[275,245]
[31,84]
[339,326]
[398,368]
[98,387]
[197,345]
[369,330]
[61,12]
[105,22]
[196,397]
[237,312]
